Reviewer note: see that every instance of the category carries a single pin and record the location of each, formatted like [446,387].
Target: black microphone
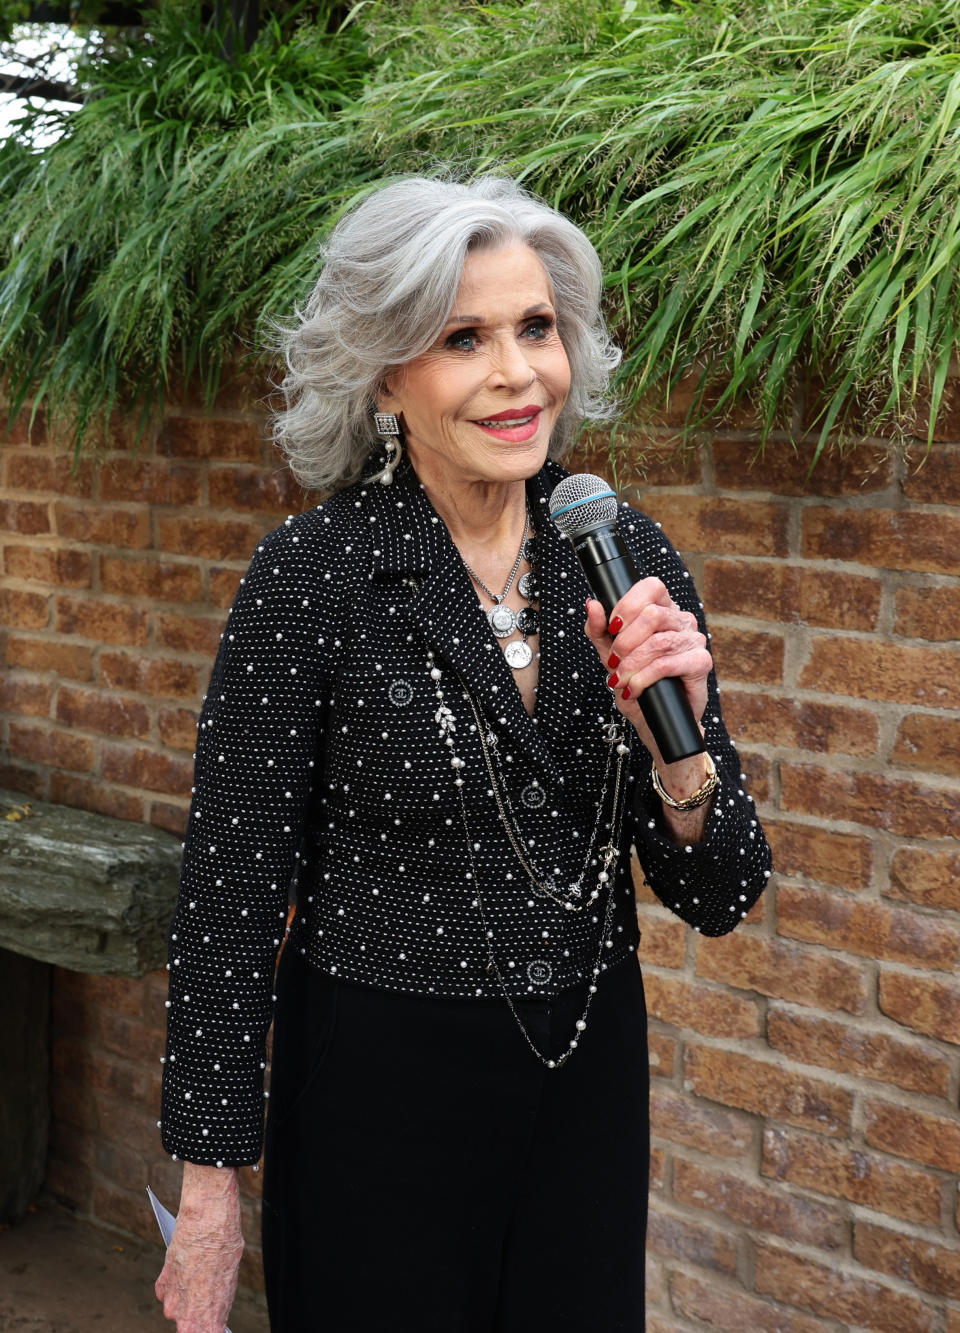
[584,508]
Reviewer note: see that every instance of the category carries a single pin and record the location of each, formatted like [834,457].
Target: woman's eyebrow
[540,309]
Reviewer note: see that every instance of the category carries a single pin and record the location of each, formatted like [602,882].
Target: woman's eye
[464,340]
[538,329]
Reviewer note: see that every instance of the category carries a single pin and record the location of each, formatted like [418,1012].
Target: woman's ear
[387,390]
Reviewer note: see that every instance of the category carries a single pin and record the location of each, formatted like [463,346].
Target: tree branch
[29,86]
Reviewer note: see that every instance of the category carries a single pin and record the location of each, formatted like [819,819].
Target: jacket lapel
[412,542]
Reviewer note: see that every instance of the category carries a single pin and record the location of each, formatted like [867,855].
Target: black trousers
[425,1173]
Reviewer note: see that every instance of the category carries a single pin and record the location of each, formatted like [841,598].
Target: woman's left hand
[649,637]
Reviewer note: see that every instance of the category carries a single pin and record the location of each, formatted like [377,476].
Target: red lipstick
[512,413]
[514,426]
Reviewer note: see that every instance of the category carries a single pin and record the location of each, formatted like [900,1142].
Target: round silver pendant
[528,622]
[518,654]
[528,586]
[502,621]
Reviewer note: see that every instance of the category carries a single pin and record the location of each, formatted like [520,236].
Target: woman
[419,715]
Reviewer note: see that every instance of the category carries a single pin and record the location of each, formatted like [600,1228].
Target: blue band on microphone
[585,500]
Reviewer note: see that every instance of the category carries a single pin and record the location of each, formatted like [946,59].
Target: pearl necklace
[546,886]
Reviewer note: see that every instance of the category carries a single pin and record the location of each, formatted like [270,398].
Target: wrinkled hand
[655,639]
[199,1278]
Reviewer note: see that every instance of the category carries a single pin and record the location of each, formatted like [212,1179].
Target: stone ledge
[85,891]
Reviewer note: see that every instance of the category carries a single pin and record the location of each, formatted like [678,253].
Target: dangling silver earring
[388,428]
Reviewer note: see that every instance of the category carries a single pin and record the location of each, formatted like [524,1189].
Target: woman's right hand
[199,1278]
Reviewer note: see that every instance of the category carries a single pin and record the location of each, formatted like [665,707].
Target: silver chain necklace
[447,724]
[503,620]
[545,884]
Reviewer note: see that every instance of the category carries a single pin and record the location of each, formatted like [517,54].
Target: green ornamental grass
[183,197]
[773,189]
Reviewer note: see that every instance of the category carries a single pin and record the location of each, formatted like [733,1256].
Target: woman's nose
[510,366]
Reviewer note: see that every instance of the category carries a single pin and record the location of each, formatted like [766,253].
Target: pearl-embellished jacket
[320,761]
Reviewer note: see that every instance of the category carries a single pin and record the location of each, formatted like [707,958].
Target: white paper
[165,1220]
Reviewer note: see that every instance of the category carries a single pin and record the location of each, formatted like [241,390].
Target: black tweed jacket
[320,762]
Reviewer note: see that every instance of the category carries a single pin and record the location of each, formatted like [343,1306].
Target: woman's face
[481,403]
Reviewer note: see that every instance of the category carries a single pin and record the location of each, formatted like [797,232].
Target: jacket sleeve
[258,754]
[711,884]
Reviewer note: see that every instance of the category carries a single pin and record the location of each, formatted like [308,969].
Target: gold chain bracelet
[699,797]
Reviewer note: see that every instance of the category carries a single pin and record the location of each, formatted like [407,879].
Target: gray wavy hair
[390,273]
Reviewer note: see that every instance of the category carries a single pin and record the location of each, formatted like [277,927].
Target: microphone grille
[582,502]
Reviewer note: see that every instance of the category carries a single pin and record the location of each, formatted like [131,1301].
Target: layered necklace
[573,896]
[504,621]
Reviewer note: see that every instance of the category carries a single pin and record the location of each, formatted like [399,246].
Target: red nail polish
[616,625]
[625,692]
[613,661]
[613,679]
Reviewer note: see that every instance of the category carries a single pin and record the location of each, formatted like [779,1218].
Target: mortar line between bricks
[794,532]
[707,470]
[737,620]
[873,1022]
[809,694]
[854,766]
[746,1288]
[844,761]
[792,1190]
[856,1269]
[835,565]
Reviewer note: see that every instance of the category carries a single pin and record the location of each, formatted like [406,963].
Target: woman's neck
[481,517]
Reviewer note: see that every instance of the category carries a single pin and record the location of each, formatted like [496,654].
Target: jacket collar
[412,541]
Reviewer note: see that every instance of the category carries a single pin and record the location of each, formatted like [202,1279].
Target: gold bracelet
[699,797]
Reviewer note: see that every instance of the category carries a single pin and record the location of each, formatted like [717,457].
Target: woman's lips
[514,427]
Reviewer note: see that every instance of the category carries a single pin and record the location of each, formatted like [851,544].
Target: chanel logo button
[539,971]
[400,693]
[533,796]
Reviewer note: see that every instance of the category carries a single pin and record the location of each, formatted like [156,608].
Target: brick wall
[116,580]
[804,1105]
[806,1068]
